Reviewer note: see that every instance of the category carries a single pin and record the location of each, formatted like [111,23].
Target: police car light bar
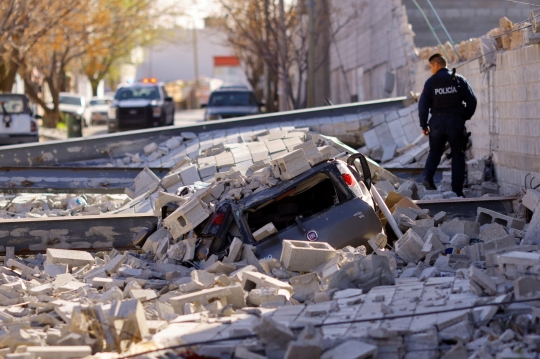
[151,80]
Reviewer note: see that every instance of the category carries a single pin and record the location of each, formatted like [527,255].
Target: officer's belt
[446,114]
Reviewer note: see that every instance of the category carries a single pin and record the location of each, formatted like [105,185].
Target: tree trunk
[95,85]
[50,119]
[8,78]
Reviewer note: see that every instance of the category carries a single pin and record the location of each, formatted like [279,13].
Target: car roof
[233,89]
[9,94]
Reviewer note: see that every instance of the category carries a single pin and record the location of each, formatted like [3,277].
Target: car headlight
[111,113]
[156,111]
[209,117]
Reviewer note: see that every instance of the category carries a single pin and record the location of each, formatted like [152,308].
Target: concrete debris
[192,283]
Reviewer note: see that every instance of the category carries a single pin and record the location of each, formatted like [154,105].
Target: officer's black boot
[429,184]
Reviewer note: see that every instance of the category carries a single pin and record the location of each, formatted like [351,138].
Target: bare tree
[253,28]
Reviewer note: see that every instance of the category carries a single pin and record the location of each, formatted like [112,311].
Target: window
[70,100]
[222,99]
[138,93]
[12,104]
[100,102]
[307,199]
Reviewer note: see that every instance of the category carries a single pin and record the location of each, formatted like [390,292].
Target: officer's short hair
[438,58]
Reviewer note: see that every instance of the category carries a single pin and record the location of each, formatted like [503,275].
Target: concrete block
[69,257]
[255,280]
[59,352]
[409,247]
[486,216]
[132,316]
[151,147]
[531,200]
[268,297]
[499,244]
[265,231]
[451,228]
[492,231]
[55,269]
[483,280]
[305,286]
[155,240]
[235,249]
[371,139]
[186,217]
[525,286]
[532,236]
[351,349]
[189,175]
[514,264]
[303,256]
[460,241]
[388,153]
[291,164]
[233,295]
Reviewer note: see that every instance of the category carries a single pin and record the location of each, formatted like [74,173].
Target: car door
[16,121]
[351,223]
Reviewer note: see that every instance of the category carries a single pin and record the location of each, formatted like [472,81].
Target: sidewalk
[56,134]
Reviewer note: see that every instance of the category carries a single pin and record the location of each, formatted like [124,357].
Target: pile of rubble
[446,288]
[58,205]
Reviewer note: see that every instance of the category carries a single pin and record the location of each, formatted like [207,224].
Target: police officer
[452,102]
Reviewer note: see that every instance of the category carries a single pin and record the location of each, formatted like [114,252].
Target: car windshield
[12,104]
[137,93]
[70,100]
[99,102]
[221,99]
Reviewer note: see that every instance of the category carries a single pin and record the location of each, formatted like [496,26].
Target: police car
[140,105]
[17,123]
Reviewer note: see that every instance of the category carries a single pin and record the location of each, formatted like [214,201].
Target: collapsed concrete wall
[506,123]
[374,39]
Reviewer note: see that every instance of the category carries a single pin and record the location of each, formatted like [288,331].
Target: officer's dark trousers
[449,129]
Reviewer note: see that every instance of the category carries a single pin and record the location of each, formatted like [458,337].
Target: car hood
[134,103]
[71,108]
[225,110]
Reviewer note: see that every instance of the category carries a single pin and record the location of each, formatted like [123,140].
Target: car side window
[308,198]
[164,92]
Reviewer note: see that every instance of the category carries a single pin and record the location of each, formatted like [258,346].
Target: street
[181,118]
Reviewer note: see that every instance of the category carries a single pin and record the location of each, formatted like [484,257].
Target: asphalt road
[181,118]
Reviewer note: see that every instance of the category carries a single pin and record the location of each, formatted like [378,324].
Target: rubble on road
[59,205]
[447,288]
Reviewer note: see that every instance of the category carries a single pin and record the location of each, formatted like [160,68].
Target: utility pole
[267,72]
[310,91]
[282,56]
[196,65]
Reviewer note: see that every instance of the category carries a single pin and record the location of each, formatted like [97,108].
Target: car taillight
[219,219]
[348,179]
[33,126]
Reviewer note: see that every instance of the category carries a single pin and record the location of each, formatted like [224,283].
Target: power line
[522,3]
[393,317]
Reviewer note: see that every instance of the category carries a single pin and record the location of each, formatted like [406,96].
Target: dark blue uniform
[451,101]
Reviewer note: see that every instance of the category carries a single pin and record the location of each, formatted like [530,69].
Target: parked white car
[17,122]
[72,103]
[97,110]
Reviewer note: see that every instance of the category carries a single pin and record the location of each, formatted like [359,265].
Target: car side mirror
[203,105]
[260,103]
[364,167]
[168,99]
[38,117]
